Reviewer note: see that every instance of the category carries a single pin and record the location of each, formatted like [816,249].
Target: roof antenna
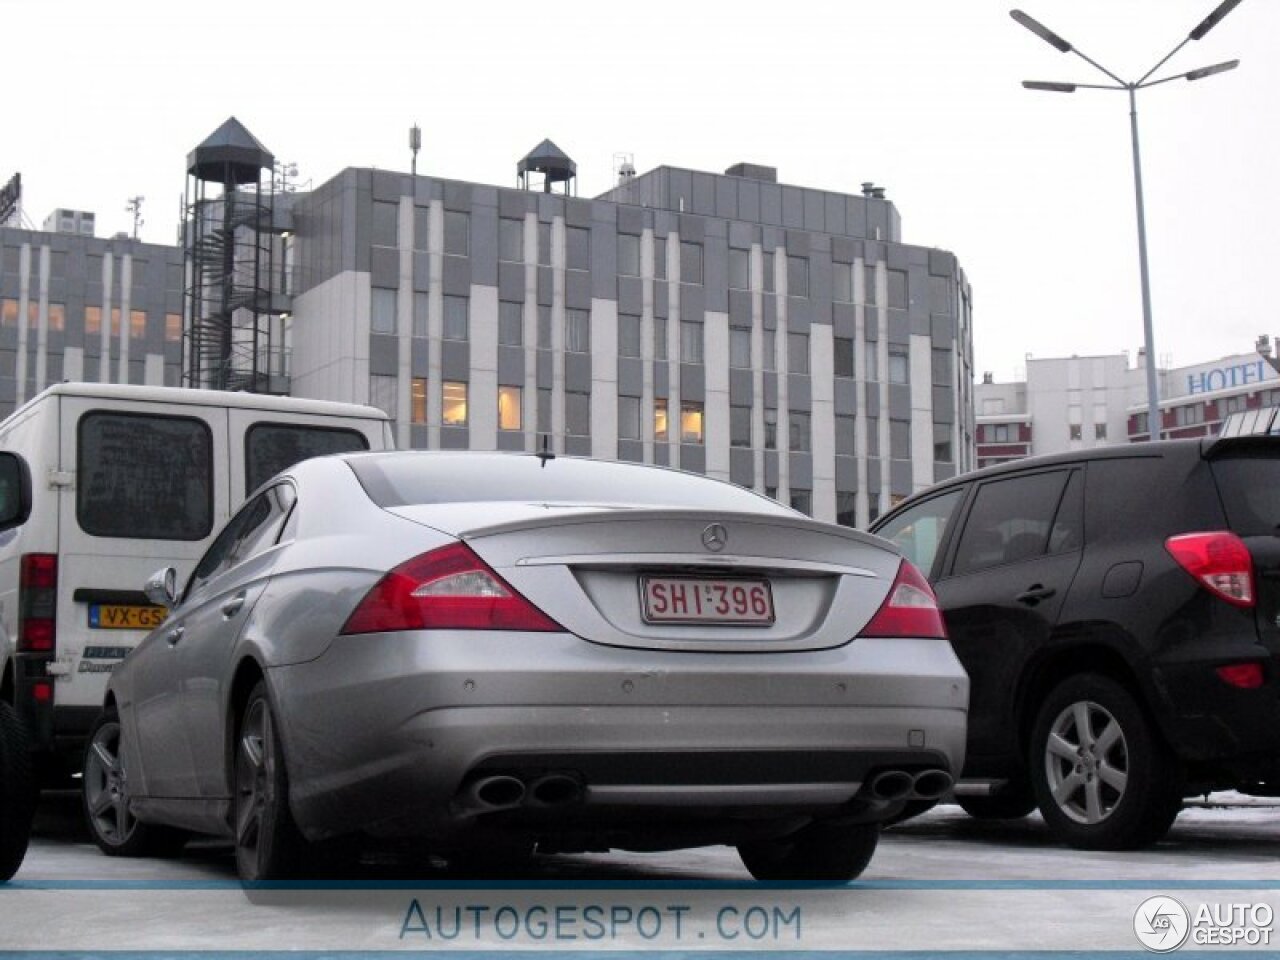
[545,453]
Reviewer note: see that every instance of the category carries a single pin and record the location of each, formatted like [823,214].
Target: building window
[137,324]
[577,414]
[510,323]
[659,338]
[899,365]
[421,308]
[382,313]
[770,428]
[544,328]
[798,438]
[509,400]
[739,348]
[1076,432]
[172,327]
[842,282]
[846,509]
[577,331]
[942,452]
[1267,398]
[456,319]
[900,439]
[769,279]
[845,436]
[942,368]
[797,276]
[769,344]
[869,284]
[739,269]
[873,367]
[544,244]
[92,317]
[802,500]
[1099,431]
[457,233]
[628,335]
[577,248]
[691,422]
[797,353]
[1226,406]
[873,438]
[1140,423]
[660,419]
[382,394]
[511,240]
[421,227]
[418,400]
[544,410]
[898,289]
[628,255]
[1189,415]
[690,262]
[58,315]
[690,342]
[660,258]
[454,412]
[115,319]
[628,418]
[739,426]
[843,350]
[386,232]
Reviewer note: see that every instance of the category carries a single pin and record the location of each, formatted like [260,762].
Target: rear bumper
[384,733]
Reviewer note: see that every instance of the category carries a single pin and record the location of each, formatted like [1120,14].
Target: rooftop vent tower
[553,165]
[235,317]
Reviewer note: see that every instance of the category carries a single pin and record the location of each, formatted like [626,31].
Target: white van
[125,480]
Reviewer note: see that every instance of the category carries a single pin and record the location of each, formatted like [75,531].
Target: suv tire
[1014,802]
[1103,777]
[17,792]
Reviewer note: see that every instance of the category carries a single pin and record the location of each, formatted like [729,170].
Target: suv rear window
[1249,482]
[272,447]
[144,476]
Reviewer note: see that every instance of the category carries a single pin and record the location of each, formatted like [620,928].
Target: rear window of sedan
[397,480]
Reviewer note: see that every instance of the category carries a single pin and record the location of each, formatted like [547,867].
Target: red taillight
[1219,560]
[42,691]
[1246,676]
[910,610]
[447,589]
[37,602]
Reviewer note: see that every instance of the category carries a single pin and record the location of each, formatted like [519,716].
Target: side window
[1068,525]
[144,476]
[919,531]
[1009,521]
[272,447]
[254,529]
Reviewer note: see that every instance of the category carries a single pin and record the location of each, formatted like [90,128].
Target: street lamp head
[1212,20]
[1047,35]
[1202,72]
[1049,86]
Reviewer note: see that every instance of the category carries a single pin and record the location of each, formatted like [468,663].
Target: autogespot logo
[1161,924]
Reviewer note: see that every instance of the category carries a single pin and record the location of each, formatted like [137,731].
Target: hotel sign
[1225,377]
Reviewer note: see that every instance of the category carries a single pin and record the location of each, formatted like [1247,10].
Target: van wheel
[269,845]
[17,792]
[1103,777]
[819,853]
[108,802]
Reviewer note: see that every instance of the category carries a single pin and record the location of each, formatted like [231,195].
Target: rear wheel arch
[247,676]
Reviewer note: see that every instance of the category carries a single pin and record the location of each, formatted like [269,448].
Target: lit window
[418,399]
[137,324]
[660,419]
[454,413]
[115,322]
[57,316]
[690,423]
[509,399]
[172,326]
[92,317]
[9,313]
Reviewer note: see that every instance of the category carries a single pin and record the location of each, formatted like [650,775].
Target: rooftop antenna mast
[415,144]
[134,206]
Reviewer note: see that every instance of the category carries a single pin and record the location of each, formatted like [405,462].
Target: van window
[144,476]
[272,447]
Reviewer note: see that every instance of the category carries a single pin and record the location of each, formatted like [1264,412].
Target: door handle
[232,606]
[1035,594]
[174,635]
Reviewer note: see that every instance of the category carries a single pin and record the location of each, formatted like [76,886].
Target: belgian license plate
[121,616]
[705,600]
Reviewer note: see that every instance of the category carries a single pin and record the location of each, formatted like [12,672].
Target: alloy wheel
[255,779]
[106,787]
[1086,762]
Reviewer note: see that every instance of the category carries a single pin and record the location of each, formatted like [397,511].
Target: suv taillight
[1219,560]
[910,610]
[446,589]
[37,602]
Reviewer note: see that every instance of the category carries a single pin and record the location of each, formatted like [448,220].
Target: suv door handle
[174,635]
[232,606]
[1035,594]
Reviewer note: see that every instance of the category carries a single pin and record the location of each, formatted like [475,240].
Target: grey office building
[779,337]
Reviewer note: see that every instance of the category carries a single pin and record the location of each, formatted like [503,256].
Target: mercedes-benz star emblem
[715,537]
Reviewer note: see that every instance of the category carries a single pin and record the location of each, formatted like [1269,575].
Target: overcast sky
[1032,191]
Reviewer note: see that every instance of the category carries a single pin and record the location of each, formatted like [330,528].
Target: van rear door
[148,487]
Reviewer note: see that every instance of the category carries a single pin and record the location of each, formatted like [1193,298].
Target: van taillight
[1219,560]
[37,602]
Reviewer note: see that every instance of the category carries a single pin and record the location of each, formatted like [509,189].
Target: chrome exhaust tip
[555,789]
[497,792]
[891,785]
[931,784]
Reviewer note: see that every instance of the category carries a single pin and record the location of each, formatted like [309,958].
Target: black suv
[1118,611]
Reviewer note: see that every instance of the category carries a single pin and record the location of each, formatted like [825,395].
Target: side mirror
[15,490]
[162,588]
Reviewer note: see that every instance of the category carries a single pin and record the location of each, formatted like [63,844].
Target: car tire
[1110,786]
[268,844]
[818,853]
[17,792]
[107,801]
[1014,802]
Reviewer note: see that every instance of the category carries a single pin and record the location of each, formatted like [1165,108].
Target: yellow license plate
[119,616]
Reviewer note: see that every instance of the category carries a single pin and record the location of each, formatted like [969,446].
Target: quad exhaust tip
[894,785]
[499,792]
[502,792]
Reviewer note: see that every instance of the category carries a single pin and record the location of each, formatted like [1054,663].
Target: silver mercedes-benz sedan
[502,653]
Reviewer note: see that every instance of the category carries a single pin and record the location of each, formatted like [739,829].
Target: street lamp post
[1132,88]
